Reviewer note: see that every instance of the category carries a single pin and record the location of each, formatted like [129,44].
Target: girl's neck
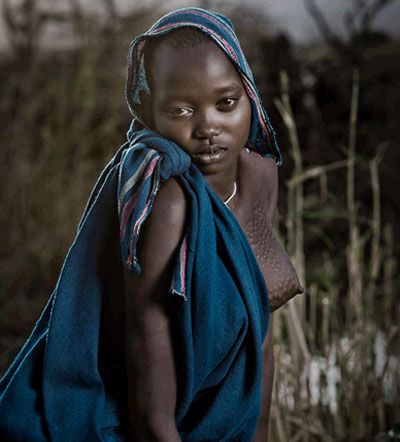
[222,185]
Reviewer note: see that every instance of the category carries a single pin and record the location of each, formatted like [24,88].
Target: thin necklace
[231,196]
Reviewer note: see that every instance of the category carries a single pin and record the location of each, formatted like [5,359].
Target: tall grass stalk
[376,249]
[355,246]
[295,193]
[295,240]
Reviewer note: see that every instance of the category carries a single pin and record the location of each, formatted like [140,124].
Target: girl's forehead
[165,54]
[192,65]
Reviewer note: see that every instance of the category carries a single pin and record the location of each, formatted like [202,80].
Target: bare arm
[148,344]
[261,434]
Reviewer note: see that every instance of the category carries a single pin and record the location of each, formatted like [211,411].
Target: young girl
[157,329]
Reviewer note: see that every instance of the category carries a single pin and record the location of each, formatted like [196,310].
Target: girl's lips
[210,155]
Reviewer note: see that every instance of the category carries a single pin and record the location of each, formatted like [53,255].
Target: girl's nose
[207,126]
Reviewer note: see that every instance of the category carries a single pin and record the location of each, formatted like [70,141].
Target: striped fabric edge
[129,206]
[132,181]
[263,118]
[151,173]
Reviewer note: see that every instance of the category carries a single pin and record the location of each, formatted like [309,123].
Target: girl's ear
[145,108]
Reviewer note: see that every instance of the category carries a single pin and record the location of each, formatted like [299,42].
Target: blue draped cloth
[218,302]
[218,305]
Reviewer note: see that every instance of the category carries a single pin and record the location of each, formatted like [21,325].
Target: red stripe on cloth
[260,113]
[143,214]
[132,201]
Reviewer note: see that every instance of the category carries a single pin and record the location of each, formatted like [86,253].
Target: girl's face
[199,102]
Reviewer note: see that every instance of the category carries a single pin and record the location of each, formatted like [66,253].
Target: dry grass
[48,166]
[337,372]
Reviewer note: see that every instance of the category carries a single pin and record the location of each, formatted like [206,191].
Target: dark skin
[205,110]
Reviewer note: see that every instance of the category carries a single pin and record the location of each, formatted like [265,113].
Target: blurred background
[328,72]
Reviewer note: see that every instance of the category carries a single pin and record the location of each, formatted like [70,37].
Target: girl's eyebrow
[228,88]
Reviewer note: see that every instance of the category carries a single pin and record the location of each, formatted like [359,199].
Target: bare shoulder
[164,227]
[258,177]
[169,208]
[159,240]
[263,170]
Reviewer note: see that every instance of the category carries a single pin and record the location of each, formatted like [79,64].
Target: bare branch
[316,171]
[326,32]
[371,13]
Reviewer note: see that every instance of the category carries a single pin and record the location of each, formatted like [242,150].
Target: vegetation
[62,115]
[337,376]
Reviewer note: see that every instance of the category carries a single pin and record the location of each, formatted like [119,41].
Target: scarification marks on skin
[278,271]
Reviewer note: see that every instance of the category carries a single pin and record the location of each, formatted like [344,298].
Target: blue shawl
[218,304]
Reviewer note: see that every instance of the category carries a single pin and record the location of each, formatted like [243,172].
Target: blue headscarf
[219,28]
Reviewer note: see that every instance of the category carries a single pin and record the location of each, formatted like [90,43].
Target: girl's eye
[179,111]
[228,103]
